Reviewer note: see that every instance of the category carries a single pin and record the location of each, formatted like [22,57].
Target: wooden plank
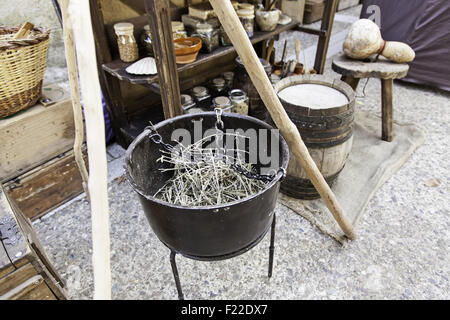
[36,135]
[34,288]
[324,39]
[387,109]
[18,276]
[162,40]
[110,86]
[353,82]
[30,245]
[26,257]
[314,10]
[46,186]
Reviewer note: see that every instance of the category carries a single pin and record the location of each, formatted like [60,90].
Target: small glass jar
[239,100]
[223,103]
[128,49]
[247,18]
[209,36]
[146,41]
[195,110]
[229,79]
[202,97]
[178,30]
[187,103]
[217,87]
[224,39]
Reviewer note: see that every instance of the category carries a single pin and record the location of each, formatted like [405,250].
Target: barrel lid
[318,80]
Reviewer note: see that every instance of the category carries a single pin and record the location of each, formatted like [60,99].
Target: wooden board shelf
[117,68]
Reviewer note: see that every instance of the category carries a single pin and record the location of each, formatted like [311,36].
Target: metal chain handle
[157,139]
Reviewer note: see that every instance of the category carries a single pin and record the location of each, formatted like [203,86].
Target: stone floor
[402,251]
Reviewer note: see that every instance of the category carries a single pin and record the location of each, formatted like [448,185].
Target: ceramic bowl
[267,20]
[186,49]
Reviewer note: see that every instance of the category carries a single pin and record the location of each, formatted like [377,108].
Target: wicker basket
[22,66]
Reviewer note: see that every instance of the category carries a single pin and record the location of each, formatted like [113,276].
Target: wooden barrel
[326,129]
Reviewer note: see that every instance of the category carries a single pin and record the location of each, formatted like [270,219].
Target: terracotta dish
[186,49]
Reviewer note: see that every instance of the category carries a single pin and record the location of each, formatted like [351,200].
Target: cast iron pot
[210,231]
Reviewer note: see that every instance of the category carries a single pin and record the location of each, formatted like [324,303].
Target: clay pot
[186,49]
[267,20]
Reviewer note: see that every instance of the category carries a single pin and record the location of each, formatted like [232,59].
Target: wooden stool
[353,70]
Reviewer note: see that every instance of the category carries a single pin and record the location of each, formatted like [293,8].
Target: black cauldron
[211,231]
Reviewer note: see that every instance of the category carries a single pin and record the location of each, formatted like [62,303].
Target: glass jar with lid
[187,103]
[128,50]
[224,103]
[224,39]
[229,79]
[239,100]
[202,97]
[178,30]
[217,87]
[247,18]
[146,41]
[209,36]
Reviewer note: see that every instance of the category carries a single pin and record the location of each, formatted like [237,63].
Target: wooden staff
[71,61]
[95,129]
[243,46]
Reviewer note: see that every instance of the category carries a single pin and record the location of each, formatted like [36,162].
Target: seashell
[143,67]
[284,19]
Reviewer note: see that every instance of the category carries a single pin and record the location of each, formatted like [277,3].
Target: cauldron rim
[145,132]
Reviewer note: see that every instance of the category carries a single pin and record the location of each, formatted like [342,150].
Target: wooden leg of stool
[353,82]
[387,110]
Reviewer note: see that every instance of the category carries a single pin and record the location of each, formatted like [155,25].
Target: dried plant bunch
[208,176]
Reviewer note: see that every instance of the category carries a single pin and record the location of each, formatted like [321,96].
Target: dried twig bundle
[207,176]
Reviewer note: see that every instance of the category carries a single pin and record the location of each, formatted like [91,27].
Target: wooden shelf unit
[117,68]
[159,95]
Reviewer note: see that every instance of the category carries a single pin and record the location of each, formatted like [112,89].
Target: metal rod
[272,245]
[175,274]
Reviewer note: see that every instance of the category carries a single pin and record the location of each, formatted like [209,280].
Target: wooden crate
[36,135]
[313,10]
[294,9]
[26,273]
[345,4]
[47,186]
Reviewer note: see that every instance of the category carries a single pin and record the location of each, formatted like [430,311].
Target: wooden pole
[95,129]
[158,12]
[71,61]
[243,46]
[387,109]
